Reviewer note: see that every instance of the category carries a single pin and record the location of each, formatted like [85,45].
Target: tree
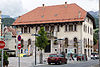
[95,35]
[41,42]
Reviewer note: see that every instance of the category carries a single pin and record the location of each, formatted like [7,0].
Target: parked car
[74,55]
[94,56]
[81,57]
[57,59]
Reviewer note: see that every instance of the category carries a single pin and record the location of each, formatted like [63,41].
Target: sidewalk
[95,65]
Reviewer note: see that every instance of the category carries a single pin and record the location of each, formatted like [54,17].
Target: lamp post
[35,44]
[60,43]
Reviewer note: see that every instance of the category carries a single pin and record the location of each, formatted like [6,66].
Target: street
[29,62]
[89,63]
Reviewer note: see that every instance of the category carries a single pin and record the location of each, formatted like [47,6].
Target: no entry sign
[2,44]
[19,38]
[19,46]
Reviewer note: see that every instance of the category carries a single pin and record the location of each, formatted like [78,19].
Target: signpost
[19,47]
[2,45]
[19,38]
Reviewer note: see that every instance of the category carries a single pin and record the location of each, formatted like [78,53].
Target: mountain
[7,21]
[94,14]
[96,17]
[5,16]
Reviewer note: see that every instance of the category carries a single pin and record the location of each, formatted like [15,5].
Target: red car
[81,57]
[57,59]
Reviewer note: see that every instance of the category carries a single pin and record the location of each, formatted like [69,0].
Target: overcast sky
[18,7]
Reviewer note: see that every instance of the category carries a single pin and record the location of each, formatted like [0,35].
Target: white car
[94,56]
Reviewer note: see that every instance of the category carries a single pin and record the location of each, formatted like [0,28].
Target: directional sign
[19,38]
[19,46]
[2,44]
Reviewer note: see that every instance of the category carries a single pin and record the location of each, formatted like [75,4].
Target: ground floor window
[65,50]
[75,51]
[84,51]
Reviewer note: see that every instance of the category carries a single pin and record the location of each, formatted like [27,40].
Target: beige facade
[78,30]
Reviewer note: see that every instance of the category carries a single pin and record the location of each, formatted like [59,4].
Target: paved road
[29,62]
[90,63]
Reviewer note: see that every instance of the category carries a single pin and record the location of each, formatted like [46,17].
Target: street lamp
[60,43]
[35,44]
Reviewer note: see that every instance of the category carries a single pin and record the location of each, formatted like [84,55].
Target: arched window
[75,41]
[29,41]
[66,42]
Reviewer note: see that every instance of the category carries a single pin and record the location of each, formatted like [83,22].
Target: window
[88,41]
[22,30]
[29,41]
[88,29]
[75,28]
[46,28]
[25,29]
[52,28]
[70,27]
[65,27]
[91,31]
[75,41]
[74,50]
[65,50]
[58,28]
[36,28]
[29,29]
[66,41]
[84,28]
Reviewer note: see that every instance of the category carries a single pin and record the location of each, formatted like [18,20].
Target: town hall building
[69,28]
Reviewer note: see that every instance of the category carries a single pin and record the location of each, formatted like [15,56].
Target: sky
[16,8]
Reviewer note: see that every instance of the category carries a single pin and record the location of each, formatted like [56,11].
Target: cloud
[11,7]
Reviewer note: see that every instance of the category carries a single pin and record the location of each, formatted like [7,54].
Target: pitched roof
[9,29]
[52,14]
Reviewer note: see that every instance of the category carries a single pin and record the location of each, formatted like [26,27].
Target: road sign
[19,37]
[2,44]
[19,46]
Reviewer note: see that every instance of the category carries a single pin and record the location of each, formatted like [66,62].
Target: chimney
[65,4]
[43,5]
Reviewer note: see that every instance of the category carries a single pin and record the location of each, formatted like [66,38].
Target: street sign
[19,46]
[19,38]
[2,44]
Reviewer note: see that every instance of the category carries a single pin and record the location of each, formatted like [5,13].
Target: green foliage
[7,21]
[42,40]
[97,22]
[22,45]
[5,55]
[95,35]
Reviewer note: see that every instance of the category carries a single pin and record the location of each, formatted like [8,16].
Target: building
[69,28]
